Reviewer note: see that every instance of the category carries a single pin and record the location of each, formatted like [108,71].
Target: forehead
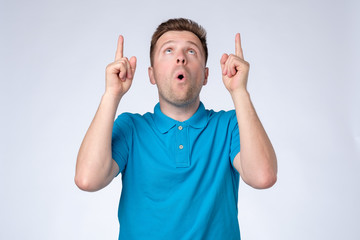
[178,37]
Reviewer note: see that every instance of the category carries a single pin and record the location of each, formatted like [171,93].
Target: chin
[180,100]
[183,102]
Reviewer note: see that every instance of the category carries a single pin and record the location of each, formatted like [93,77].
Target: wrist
[108,96]
[240,93]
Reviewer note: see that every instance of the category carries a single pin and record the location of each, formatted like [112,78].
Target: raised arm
[95,167]
[256,161]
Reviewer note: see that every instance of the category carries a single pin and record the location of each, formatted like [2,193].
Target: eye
[192,52]
[167,51]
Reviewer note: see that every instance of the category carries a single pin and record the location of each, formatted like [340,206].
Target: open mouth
[180,76]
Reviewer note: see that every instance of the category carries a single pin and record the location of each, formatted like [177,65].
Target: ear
[206,74]
[151,75]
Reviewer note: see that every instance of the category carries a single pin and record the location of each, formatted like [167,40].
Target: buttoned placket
[182,145]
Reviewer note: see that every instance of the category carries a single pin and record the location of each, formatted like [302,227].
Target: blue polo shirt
[178,179]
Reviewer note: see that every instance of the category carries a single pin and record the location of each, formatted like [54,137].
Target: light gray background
[304,82]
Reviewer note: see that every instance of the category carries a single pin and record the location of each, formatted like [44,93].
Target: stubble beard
[180,100]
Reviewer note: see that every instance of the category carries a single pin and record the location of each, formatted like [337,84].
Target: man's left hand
[235,69]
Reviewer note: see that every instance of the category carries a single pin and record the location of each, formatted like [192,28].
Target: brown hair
[179,24]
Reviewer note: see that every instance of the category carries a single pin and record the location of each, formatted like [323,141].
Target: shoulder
[133,119]
[221,115]
[222,120]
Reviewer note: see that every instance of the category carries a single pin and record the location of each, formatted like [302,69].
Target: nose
[181,59]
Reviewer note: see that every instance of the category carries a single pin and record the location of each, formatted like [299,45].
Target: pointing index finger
[119,50]
[238,49]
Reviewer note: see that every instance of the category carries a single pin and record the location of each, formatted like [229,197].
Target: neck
[179,113]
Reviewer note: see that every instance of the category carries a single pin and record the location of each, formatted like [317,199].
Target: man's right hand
[120,73]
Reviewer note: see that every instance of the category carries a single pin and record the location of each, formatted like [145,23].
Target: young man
[180,165]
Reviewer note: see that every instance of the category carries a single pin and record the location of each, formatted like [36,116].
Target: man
[181,164]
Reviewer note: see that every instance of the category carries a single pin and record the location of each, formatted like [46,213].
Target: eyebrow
[173,41]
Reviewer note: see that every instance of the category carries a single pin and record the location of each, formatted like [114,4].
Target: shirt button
[181,146]
[180,128]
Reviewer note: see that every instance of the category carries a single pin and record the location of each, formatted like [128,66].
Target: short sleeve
[121,140]
[235,138]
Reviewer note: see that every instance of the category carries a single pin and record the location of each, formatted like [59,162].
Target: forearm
[94,161]
[258,162]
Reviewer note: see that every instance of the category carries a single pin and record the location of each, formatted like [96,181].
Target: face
[178,68]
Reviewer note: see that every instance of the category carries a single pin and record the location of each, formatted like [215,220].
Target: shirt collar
[165,123]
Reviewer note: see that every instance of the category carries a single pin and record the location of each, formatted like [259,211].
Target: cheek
[162,64]
[159,74]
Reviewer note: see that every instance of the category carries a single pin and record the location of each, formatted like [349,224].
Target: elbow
[265,181]
[267,176]
[84,183]
[262,176]
[92,177]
